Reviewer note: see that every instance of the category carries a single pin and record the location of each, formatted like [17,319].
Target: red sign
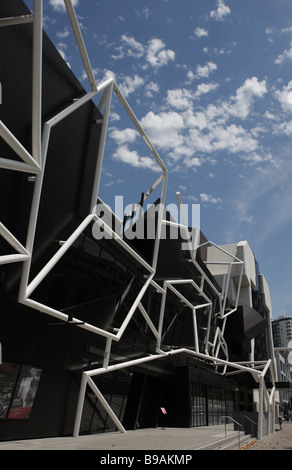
[163,411]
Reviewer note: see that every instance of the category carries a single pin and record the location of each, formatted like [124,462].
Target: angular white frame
[35,164]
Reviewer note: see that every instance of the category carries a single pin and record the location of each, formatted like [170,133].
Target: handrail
[251,420]
[234,421]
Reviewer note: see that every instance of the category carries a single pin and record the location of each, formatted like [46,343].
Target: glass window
[199,405]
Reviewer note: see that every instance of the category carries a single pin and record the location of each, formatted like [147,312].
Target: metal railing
[252,424]
[240,427]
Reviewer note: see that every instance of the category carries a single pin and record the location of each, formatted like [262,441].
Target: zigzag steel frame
[35,164]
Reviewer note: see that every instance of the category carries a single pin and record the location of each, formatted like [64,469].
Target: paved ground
[142,439]
[279,440]
[153,439]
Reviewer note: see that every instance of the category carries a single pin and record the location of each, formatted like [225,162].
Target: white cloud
[221,12]
[155,52]
[190,77]
[283,97]
[129,85]
[114,117]
[186,133]
[194,162]
[256,158]
[204,88]
[245,95]
[164,129]
[179,98]
[63,34]
[248,218]
[151,87]
[62,47]
[201,32]
[59,5]
[286,55]
[122,137]
[157,55]
[270,116]
[285,128]
[207,198]
[132,157]
[266,193]
[203,71]
[197,120]
[230,138]
[145,13]
[134,48]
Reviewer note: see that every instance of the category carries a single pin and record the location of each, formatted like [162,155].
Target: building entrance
[209,404]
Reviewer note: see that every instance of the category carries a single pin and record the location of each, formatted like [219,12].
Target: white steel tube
[105,404]
[71,108]
[134,306]
[64,317]
[58,255]
[178,294]
[173,224]
[18,166]
[124,365]
[37,67]
[148,321]
[34,215]
[80,43]
[17,146]
[273,411]
[261,408]
[161,314]
[80,403]
[107,352]
[100,154]
[158,288]
[192,282]
[226,290]
[4,259]
[223,250]
[139,128]
[15,20]
[239,286]
[160,217]
[10,238]
[121,242]
[39,182]
[195,330]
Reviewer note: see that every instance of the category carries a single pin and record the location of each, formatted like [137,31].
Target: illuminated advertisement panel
[24,393]
[18,387]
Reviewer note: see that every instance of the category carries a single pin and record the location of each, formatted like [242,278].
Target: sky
[210,81]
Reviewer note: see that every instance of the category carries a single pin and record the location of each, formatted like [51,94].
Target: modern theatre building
[99,330]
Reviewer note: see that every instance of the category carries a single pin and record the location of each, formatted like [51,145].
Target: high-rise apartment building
[282,331]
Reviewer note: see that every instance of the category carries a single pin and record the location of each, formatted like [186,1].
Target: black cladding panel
[73,146]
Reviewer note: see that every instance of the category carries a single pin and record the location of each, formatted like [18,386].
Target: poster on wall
[8,377]
[24,393]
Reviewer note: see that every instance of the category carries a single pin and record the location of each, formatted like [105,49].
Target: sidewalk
[279,440]
[170,439]
[143,439]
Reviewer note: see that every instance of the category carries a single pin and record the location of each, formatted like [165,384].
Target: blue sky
[209,80]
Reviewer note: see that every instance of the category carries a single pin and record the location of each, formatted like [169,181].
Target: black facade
[43,358]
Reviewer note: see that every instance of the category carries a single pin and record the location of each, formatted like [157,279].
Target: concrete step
[232,442]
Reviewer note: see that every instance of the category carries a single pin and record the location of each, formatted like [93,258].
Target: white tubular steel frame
[35,164]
